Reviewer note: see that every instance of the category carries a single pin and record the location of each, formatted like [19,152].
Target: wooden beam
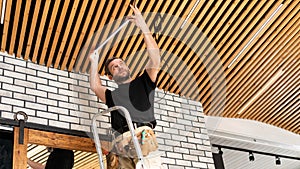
[20,150]
[57,140]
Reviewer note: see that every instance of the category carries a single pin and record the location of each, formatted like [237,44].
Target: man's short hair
[107,72]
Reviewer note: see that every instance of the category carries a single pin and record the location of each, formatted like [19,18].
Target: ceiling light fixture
[263,89]
[260,29]
[277,160]
[220,151]
[251,156]
[189,15]
[3,11]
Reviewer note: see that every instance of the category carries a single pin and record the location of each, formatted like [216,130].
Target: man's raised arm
[95,80]
[153,64]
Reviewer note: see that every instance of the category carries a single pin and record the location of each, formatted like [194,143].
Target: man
[136,95]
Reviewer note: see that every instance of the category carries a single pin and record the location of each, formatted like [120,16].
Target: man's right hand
[94,57]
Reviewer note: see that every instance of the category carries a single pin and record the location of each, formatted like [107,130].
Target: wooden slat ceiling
[198,60]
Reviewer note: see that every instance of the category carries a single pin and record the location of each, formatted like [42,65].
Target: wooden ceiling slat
[194,14]
[237,18]
[49,32]
[212,59]
[41,30]
[275,42]
[256,83]
[253,63]
[181,72]
[6,25]
[230,23]
[24,25]
[230,54]
[209,59]
[278,96]
[241,31]
[279,89]
[206,6]
[261,48]
[82,35]
[66,35]
[286,107]
[214,70]
[165,42]
[182,35]
[288,117]
[190,91]
[15,27]
[58,30]
[276,104]
[171,69]
[289,60]
[262,44]
[80,160]
[169,31]
[88,161]
[208,55]
[32,28]
[186,65]
[174,47]
[76,29]
[261,104]
[211,14]
[182,32]
[162,44]
[224,16]
[80,155]
[295,126]
[94,42]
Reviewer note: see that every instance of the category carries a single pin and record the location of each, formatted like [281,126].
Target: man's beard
[120,79]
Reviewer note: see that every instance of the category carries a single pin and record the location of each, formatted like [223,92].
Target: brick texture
[63,99]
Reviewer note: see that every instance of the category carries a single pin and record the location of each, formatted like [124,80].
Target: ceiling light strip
[255,35]
[189,15]
[3,11]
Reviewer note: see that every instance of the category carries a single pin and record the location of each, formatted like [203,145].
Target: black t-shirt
[60,159]
[137,97]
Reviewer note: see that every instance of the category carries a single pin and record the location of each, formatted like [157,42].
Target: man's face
[119,70]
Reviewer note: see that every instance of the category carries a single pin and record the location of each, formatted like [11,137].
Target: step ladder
[140,163]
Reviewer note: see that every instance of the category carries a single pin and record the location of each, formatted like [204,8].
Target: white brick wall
[63,99]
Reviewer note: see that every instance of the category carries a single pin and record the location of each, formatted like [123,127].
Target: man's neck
[125,81]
